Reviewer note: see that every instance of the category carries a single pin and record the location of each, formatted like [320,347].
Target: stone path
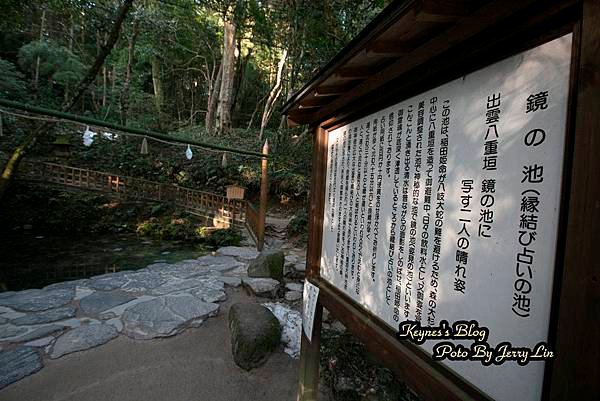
[160,300]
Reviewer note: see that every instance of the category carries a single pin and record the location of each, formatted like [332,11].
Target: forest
[213,71]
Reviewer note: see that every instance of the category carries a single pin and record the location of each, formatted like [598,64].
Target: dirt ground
[195,365]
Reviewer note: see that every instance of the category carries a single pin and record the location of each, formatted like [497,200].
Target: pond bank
[194,365]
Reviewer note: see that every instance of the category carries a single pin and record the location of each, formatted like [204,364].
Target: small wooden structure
[62,146]
[410,48]
[235,191]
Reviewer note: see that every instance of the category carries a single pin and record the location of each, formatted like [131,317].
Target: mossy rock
[269,263]
[255,333]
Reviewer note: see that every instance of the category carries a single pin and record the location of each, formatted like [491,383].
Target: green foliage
[185,38]
[56,63]
[12,84]
[298,225]
[150,228]
[224,237]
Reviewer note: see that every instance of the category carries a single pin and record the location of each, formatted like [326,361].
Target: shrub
[150,228]
[219,237]
[298,225]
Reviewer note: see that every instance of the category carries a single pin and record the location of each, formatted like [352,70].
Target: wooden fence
[224,211]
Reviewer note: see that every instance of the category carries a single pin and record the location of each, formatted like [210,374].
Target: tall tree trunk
[213,97]
[158,88]
[241,64]
[13,162]
[273,95]
[70,47]
[36,79]
[226,91]
[104,79]
[129,70]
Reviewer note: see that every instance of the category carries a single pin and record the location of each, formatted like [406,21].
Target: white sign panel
[310,296]
[446,206]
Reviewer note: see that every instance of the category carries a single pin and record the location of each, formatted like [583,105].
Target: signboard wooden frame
[575,321]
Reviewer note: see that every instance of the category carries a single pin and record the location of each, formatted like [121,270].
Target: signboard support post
[578,331]
[309,360]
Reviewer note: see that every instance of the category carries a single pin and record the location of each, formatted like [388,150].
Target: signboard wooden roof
[413,36]
[367,104]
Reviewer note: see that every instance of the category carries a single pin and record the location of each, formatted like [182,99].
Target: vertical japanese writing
[340,198]
[363,203]
[334,180]
[400,174]
[531,194]
[371,195]
[348,205]
[346,184]
[426,216]
[377,213]
[389,283]
[351,249]
[490,165]
[463,242]
[414,197]
[440,210]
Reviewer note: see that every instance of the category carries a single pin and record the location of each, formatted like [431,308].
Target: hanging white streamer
[88,136]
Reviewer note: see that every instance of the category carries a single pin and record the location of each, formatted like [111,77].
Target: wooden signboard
[461,204]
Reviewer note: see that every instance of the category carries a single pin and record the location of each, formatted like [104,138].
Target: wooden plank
[314,101]
[507,42]
[390,14]
[309,360]
[331,90]
[576,370]
[317,203]
[466,28]
[391,48]
[355,72]
[445,10]
[430,380]
[309,356]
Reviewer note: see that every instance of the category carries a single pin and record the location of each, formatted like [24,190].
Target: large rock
[262,287]
[293,296]
[165,316]
[143,280]
[48,316]
[17,363]
[210,291]
[269,263]
[231,281]
[242,252]
[295,286]
[40,332]
[178,285]
[38,300]
[40,343]
[108,282]
[9,331]
[82,338]
[101,301]
[255,333]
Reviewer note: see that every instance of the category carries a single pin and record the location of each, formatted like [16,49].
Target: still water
[31,260]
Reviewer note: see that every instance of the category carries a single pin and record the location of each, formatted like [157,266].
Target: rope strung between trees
[62,116]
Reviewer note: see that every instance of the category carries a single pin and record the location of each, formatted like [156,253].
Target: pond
[32,260]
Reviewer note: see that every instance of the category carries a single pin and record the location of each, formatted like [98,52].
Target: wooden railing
[252,222]
[229,211]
